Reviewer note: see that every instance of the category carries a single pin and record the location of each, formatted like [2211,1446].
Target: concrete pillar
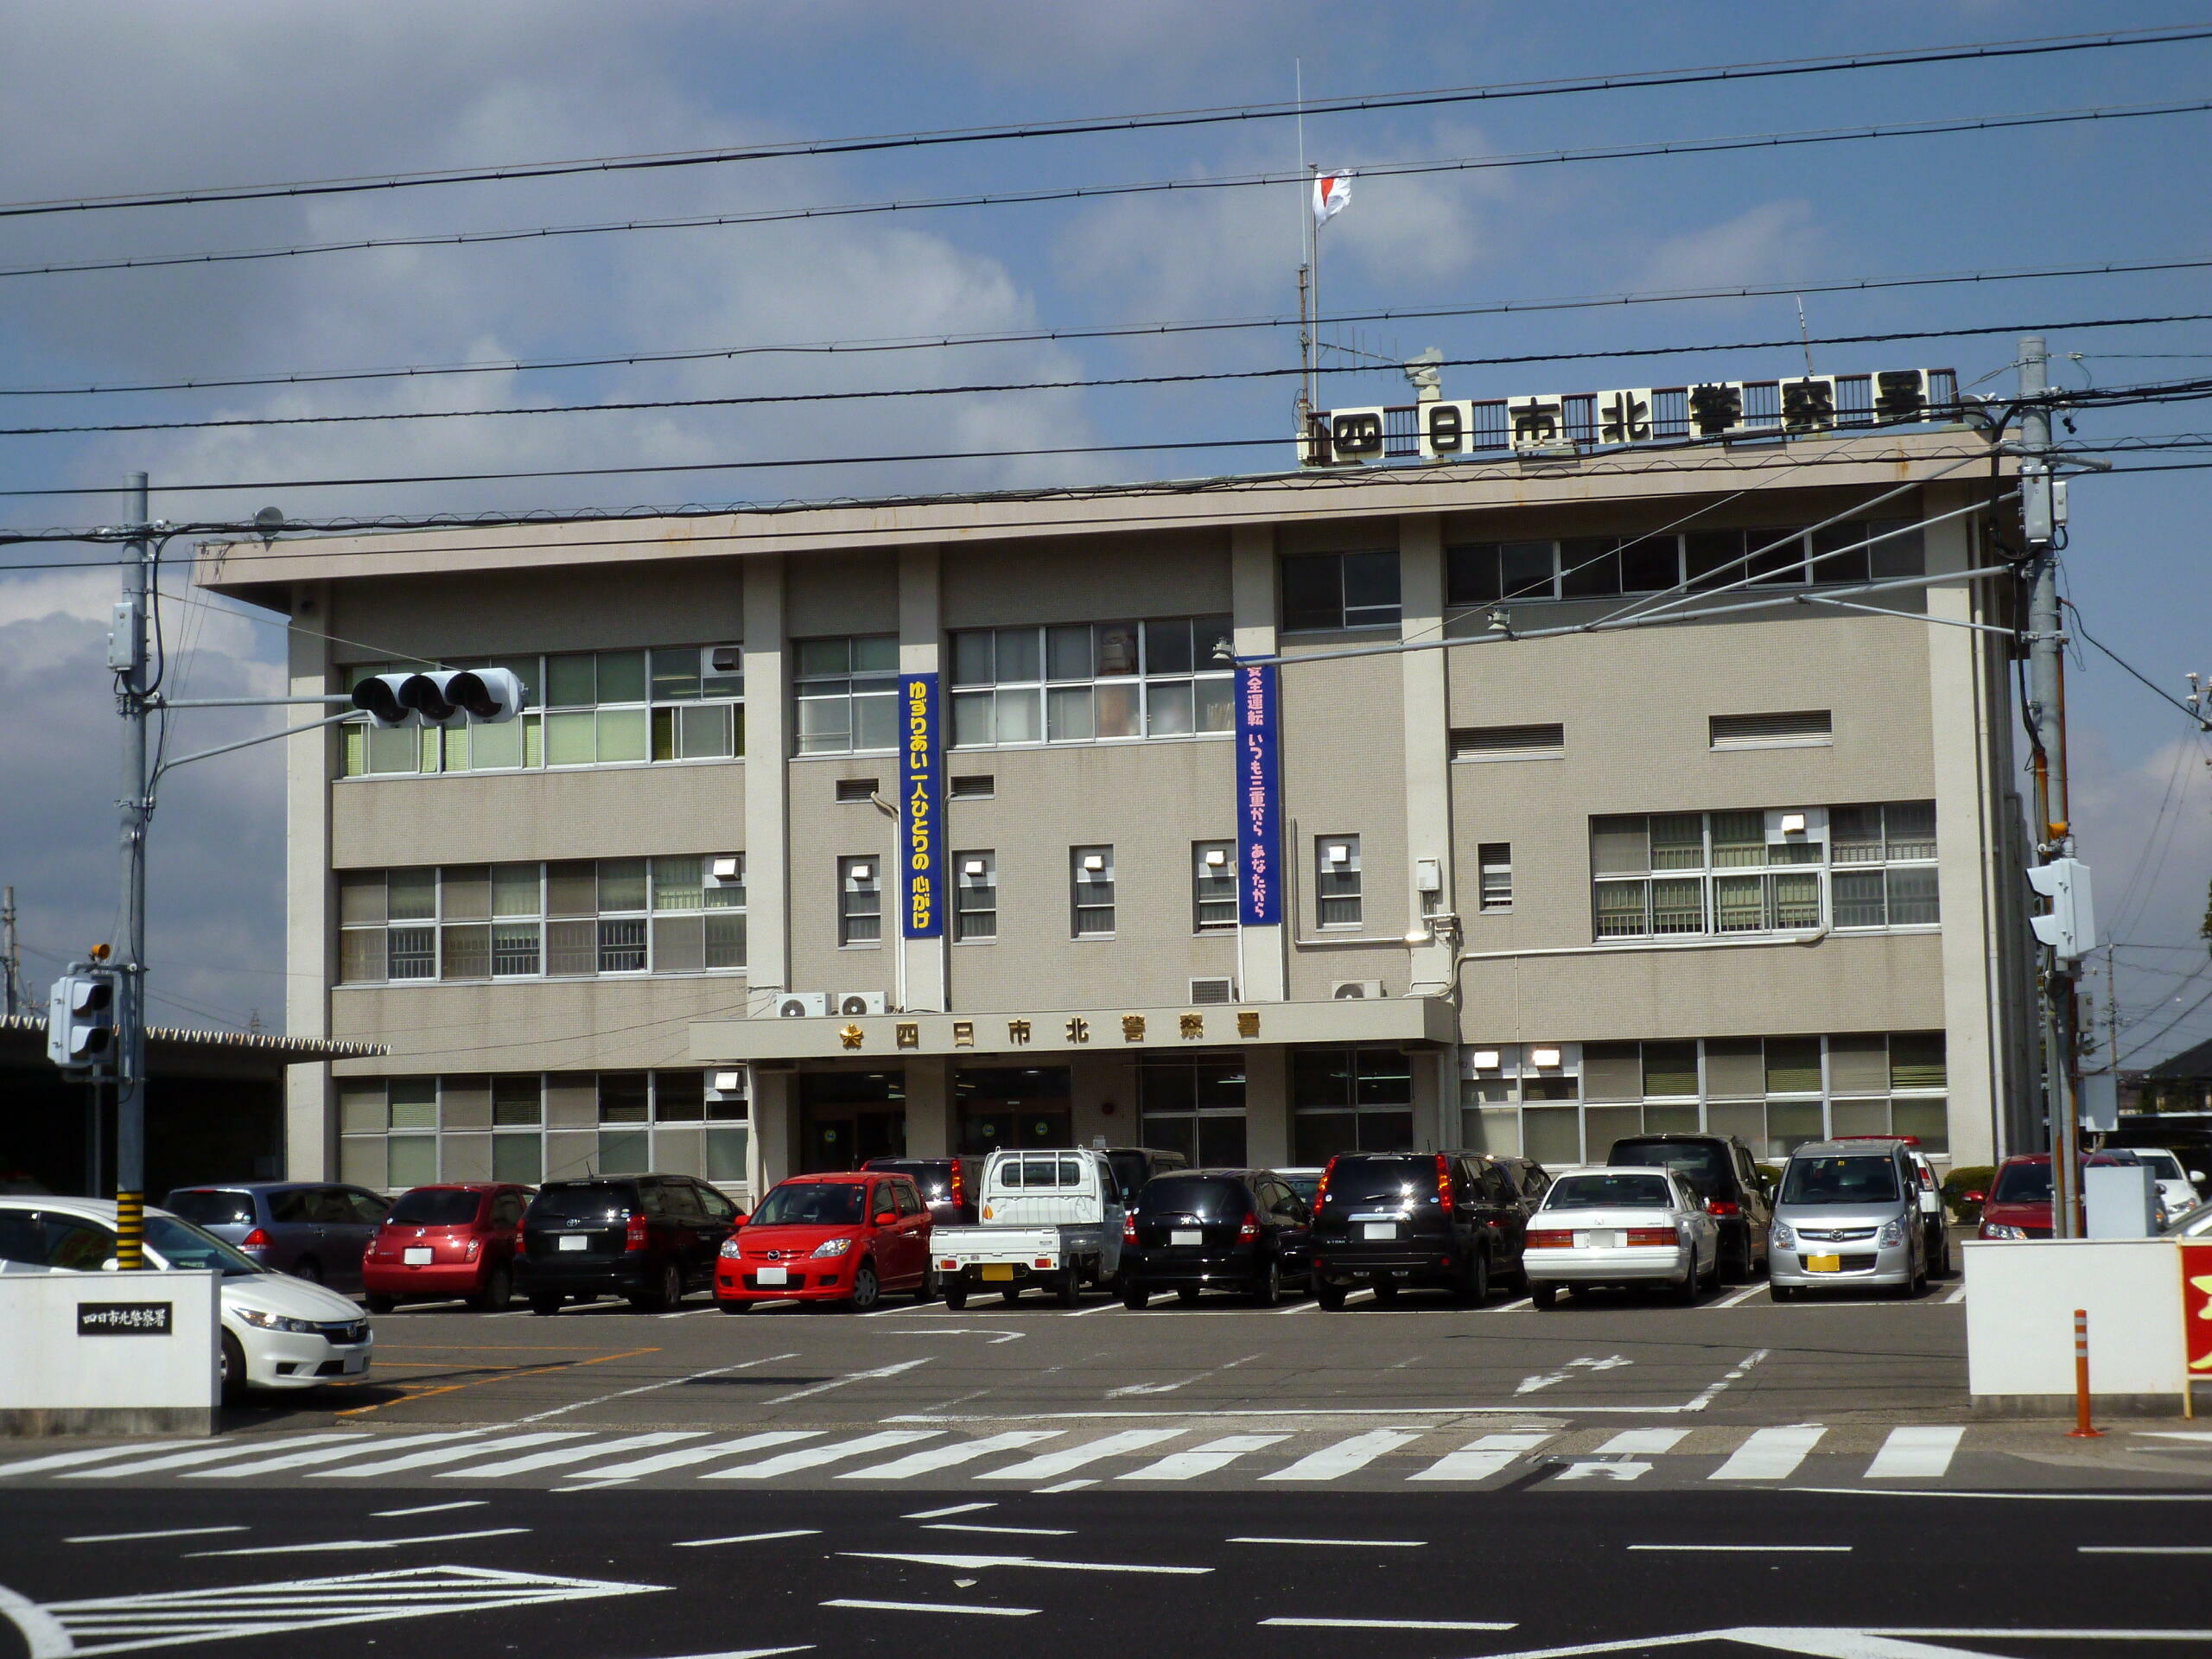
[1263,972]
[310,1152]
[775,1128]
[767,737]
[929,1132]
[920,629]
[1267,1106]
[1427,746]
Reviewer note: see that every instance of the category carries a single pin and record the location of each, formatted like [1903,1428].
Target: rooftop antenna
[1306,380]
[1804,337]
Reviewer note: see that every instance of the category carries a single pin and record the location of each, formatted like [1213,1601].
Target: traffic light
[80,1021]
[2069,927]
[442,696]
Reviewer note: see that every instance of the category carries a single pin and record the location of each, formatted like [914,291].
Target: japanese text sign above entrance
[921,796]
[1259,770]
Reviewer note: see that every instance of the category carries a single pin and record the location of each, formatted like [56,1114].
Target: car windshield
[1193,1195]
[1305,1185]
[434,1206]
[1381,1180]
[1840,1180]
[213,1208]
[2022,1184]
[1623,1191]
[813,1204]
[2167,1166]
[586,1202]
[182,1245]
[1702,1165]
[934,1179]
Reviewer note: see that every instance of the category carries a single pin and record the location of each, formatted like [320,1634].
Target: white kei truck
[1051,1220]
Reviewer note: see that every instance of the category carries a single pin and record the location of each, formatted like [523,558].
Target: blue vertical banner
[1259,798]
[921,807]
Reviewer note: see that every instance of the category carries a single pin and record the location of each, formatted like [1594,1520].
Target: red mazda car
[440,1242]
[830,1238]
[2019,1205]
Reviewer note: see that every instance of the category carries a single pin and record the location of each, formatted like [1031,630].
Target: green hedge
[1968,1178]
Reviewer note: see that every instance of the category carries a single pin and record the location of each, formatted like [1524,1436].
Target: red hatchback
[440,1242]
[830,1238]
[2018,1204]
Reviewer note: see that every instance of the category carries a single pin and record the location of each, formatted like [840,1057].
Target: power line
[1768,69]
[1156,186]
[2196,719]
[1126,330]
[2138,1047]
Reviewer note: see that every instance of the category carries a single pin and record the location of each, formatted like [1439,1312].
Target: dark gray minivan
[313,1229]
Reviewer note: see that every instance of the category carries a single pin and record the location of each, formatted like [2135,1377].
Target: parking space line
[1734,1297]
[1521,1307]
[2084,1550]
[1204,1459]
[1770,1453]
[1102,1308]
[133,1537]
[749,1538]
[931,1607]
[839,1382]
[977,1563]
[1916,1453]
[1481,1458]
[947,1457]
[350,1544]
[978,1526]
[648,1387]
[1754,1549]
[1307,1306]
[1066,1462]
[1393,1624]
[691,1454]
[1958,1295]
[1343,1543]
[1334,1462]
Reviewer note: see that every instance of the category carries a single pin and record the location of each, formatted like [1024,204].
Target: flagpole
[1307,311]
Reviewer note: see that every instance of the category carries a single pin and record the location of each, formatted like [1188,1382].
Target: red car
[830,1238]
[440,1242]
[2018,1204]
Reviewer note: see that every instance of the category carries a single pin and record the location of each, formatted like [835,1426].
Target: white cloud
[1771,242]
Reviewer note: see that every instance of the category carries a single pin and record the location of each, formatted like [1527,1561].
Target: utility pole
[127,656]
[11,958]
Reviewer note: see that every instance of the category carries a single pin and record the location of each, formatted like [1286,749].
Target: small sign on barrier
[125,1319]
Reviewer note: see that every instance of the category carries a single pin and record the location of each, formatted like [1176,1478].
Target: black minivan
[648,1238]
[1720,1169]
[1241,1230]
[1388,1221]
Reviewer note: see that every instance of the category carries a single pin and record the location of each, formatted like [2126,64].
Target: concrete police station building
[1261,819]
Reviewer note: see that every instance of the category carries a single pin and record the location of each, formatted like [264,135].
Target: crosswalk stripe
[1643,1442]
[1914,1454]
[1481,1458]
[1204,1459]
[1770,1454]
[184,1459]
[691,1454]
[438,1454]
[814,1457]
[328,1454]
[1334,1462]
[1052,1465]
[946,1457]
[567,1455]
[65,1459]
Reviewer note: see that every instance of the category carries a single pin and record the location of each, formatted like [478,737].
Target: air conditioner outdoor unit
[1356,990]
[801,1005]
[852,1003]
[1213,990]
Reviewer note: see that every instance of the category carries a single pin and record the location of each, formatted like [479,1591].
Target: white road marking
[1393,1624]
[1334,1462]
[2173,1434]
[839,1382]
[1525,1303]
[1770,1453]
[66,1460]
[1051,1465]
[2030,1498]
[1916,1453]
[1958,1295]
[1343,1543]
[1545,1380]
[1642,1442]
[1754,1549]
[2085,1549]
[1706,1396]
[204,1454]
[648,1387]
[1102,1308]
[1299,1307]
[438,1454]
[1170,1387]
[753,1653]
[1068,1486]
[132,1537]
[330,1454]
[1736,1296]
[977,1563]
[957,1508]
[1204,1459]
[1623,1469]
[979,1526]
[814,1457]
[947,1457]
[430,1509]
[750,1538]
[361,1543]
[1480,1458]
[569,1454]
[691,1454]
[686,1313]
[994,1337]
[931,1607]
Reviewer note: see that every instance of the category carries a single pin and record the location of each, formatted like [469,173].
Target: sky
[122,96]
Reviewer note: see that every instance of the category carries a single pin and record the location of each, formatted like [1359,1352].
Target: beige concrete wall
[1106,578]
[693,806]
[823,830]
[833,592]
[571,1025]
[492,613]
[310,1106]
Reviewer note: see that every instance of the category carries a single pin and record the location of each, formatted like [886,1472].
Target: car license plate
[575,1242]
[1824,1264]
[417,1256]
[1186,1235]
[998,1270]
[773,1276]
[1604,1238]
[1379,1229]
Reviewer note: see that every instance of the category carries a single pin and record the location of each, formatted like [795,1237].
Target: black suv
[1241,1230]
[948,1185]
[649,1238]
[1385,1221]
[1720,1169]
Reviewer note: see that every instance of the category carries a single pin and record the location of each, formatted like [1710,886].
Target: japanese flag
[1330,192]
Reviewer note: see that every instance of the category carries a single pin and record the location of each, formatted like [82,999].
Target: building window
[1493,868]
[1605,566]
[1213,886]
[1194,1105]
[1090,681]
[1340,590]
[847,694]
[860,902]
[473,922]
[584,708]
[1335,880]
[1349,1100]
[1091,878]
[975,897]
[1694,875]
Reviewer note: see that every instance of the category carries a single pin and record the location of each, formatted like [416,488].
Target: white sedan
[279,1332]
[1625,1226]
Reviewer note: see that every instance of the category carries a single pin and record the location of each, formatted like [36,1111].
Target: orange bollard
[2081,1429]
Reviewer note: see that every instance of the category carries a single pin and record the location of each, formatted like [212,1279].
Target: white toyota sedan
[279,1332]
[1625,1226]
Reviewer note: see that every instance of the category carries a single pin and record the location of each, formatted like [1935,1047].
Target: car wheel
[1186,1294]
[1134,1296]
[1732,1263]
[1071,1287]
[308,1269]
[1267,1290]
[1546,1297]
[377,1303]
[498,1291]
[733,1306]
[233,1370]
[1011,1295]
[866,1290]
[543,1306]
[1686,1292]
[1385,1293]
[956,1295]
[1329,1298]
[1783,1293]
[1472,1288]
[926,1291]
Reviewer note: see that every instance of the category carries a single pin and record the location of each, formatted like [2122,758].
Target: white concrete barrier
[110,1353]
[2021,1295]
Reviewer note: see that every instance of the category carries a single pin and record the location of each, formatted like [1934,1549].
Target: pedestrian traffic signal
[80,1021]
[442,696]
[2069,927]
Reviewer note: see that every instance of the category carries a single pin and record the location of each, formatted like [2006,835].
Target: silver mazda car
[1848,1215]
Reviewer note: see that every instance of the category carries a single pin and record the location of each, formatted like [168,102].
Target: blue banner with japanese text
[1259,796]
[921,807]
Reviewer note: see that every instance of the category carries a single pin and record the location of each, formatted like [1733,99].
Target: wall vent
[975,787]
[1213,990]
[1788,728]
[1539,742]
[857,790]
